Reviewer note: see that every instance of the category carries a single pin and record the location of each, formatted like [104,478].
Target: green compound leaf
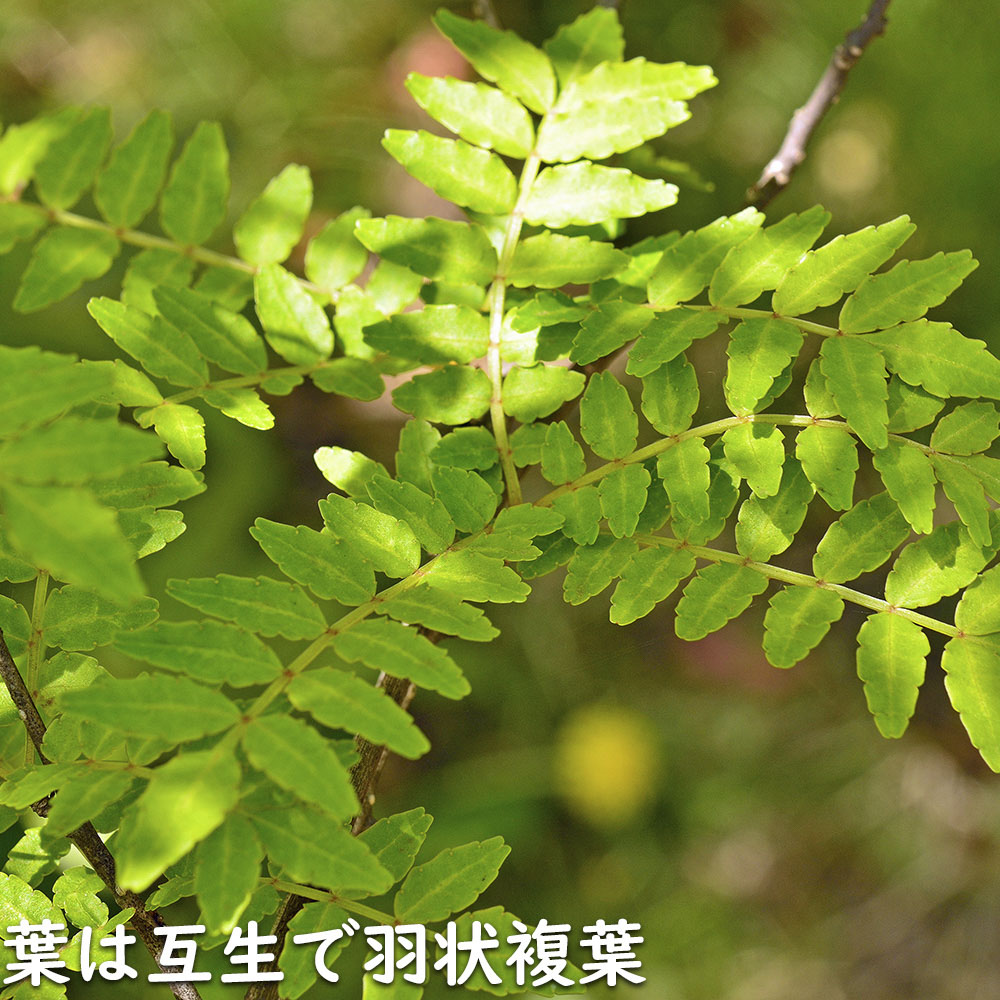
[294,323]
[311,849]
[150,269]
[449,882]
[466,175]
[396,840]
[295,757]
[978,612]
[686,478]
[562,456]
[669,334]
[78,539]
[475,576]
[583,194]
[349,471]
[757,453]
[609,327]
[387,543]
[581,513]
[623,495]
[162,349]
[427,517]
[467,448]
[965,490]
[468,498]
[936,566]
[72,160]
[222,336]
[334,257]
[969,428]
[182,430]
[87,795]
[480,114]
[80,619]
[436,248]
[586,123]
[502,57]
[861,540]
[22,146]
[823,275]
[906,292]
[670,396]
[350,377]
[440,612]
[391,647]
[172,708]
[539,390]
[243,405]
[343,701]
[768,525]
[75,892]
[62,260]
[326,565]
[550,260]
[272,225]
[18,222]
[595,567]
[855,376]
[226,872]
[268,607]
[686,268]
[829,459]
[433,336]
[796,622]
[608,421]
[210,651]
[759,351]
[594,37]
[910,408]
[76,450]
[128,186]
[195,198]
[298,964]
[761,260]
[185,800]
[651,577]
[892,654]
[451,395]
[714,596]
[909,477]
[939,358]
[972,668]
[15,623]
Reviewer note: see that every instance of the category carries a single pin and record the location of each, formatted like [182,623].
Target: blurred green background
[772,845]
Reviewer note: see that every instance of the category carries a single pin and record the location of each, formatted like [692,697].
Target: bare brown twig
[86,838]
[792,152]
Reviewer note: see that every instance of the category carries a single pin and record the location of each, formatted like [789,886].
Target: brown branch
[86,838]
[792,151]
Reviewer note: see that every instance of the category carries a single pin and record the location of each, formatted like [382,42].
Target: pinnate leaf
[182,430]
[343,701]
[294,324]
[128,185]
[855,375]
[972,668]
[387,543]
[759,351]
[829,458]
[686,478]
[757,453]
[797,619]
[72,160]
[823,275]
[515,65]
[539,390]
[272,225]
[449,882]
[608,421]
[62,260]
[861,540]
[978,612]
[652,576]
[715,595]
[452,395]
[403,652]
[623,494]
[194,200]
[480,114]
[594,567]
[906,292]
[295,757]
[892,654]
[226,872]
[909,477]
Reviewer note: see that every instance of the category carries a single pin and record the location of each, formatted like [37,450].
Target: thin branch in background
[483,9]
[86,838]
[792,151]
